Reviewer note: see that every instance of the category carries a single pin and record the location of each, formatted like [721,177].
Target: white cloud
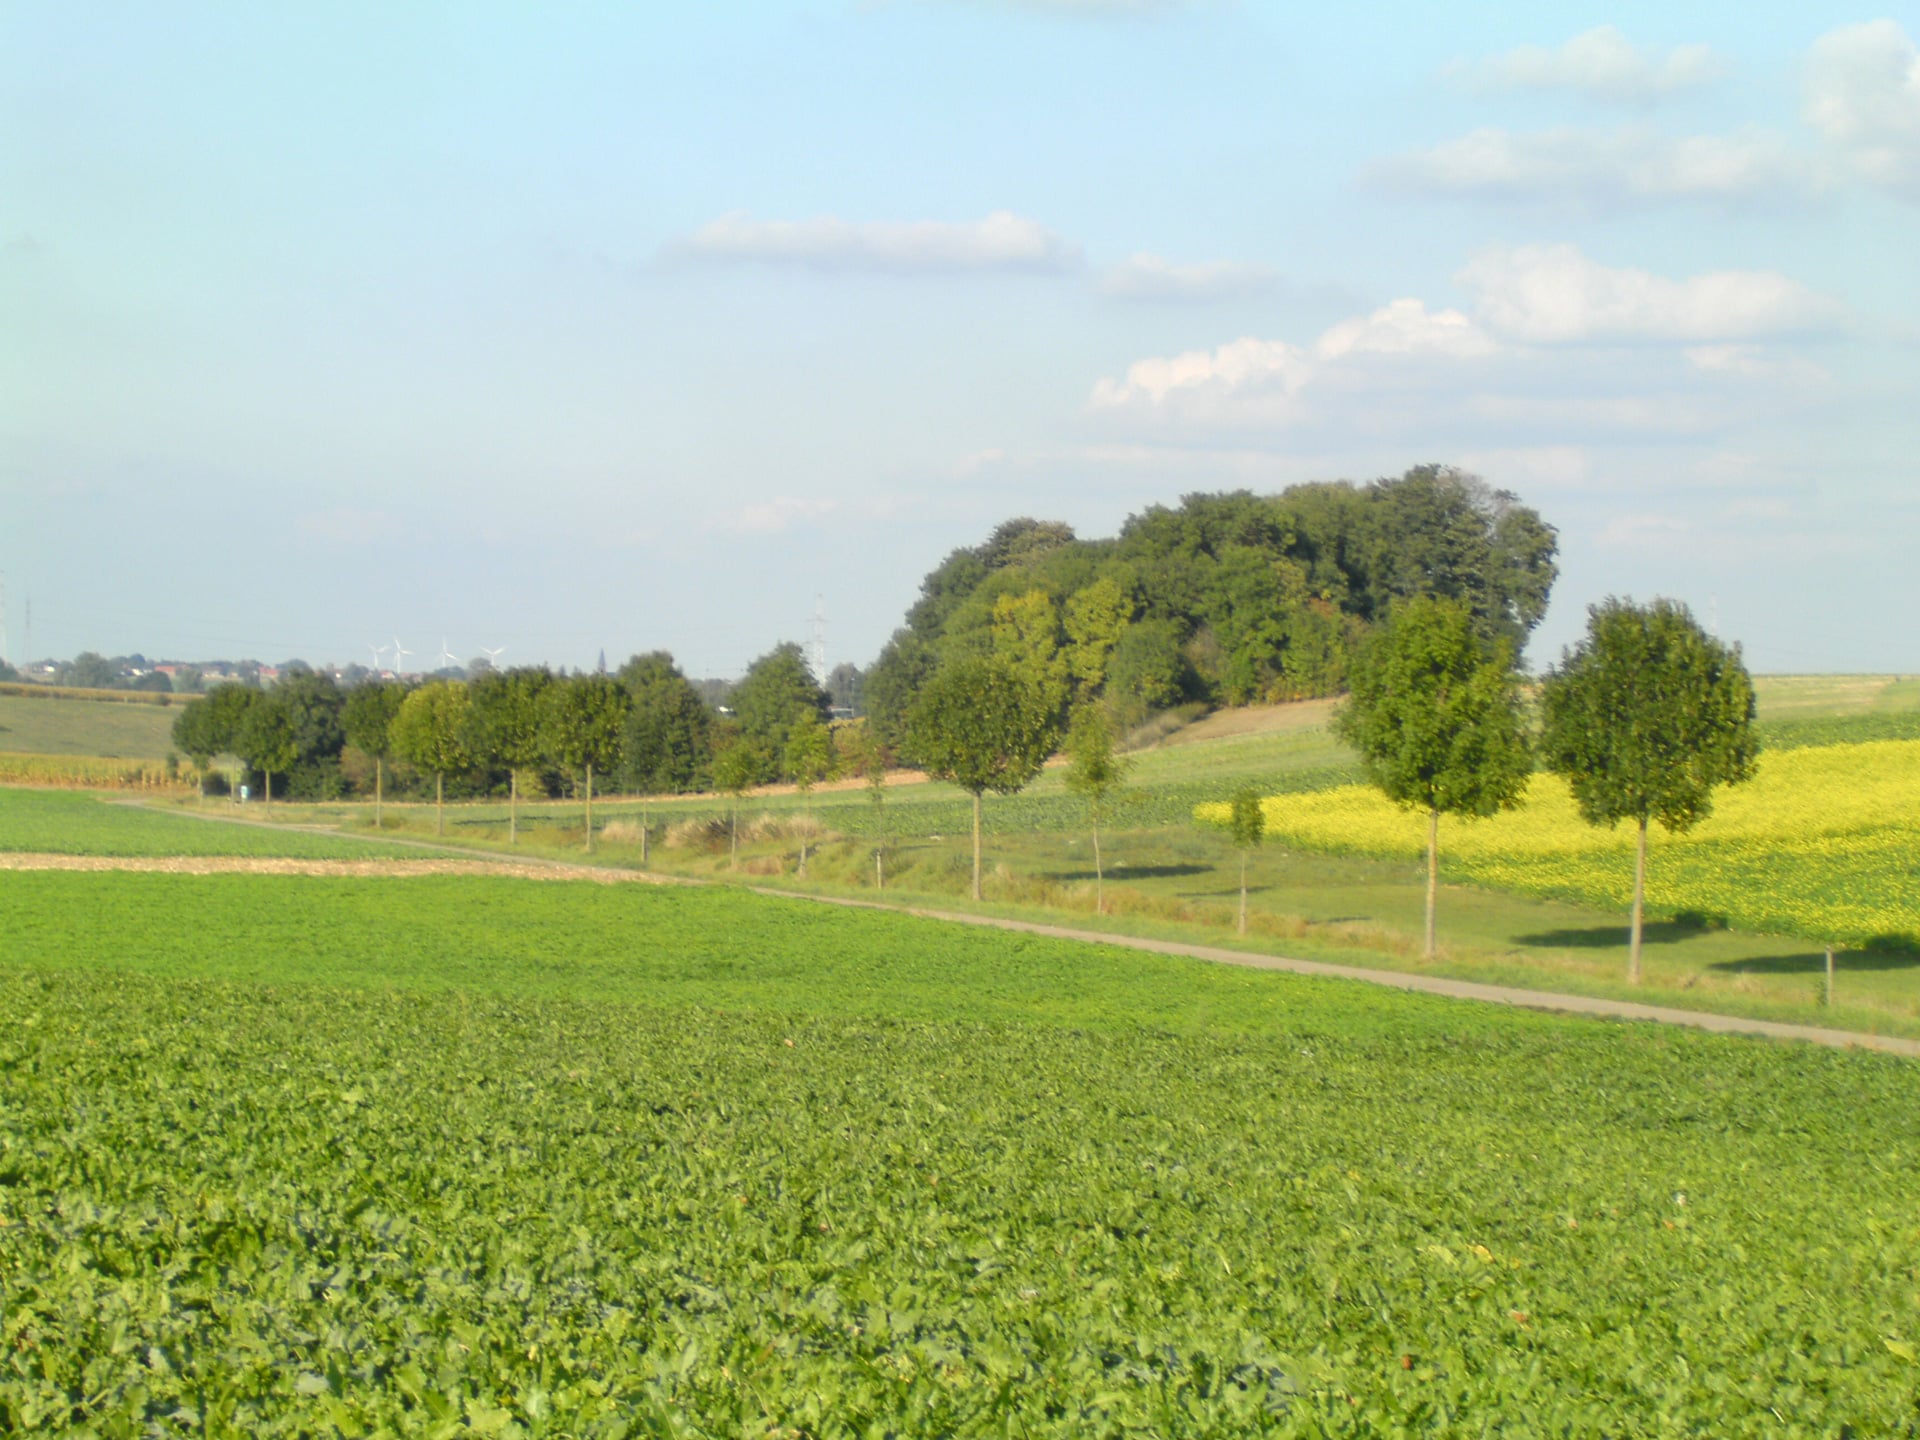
[1645,532]
[1863,95]
[1149,277]
[1546,294]
[1604,64]
[772,516]
[1630,166]
[1264,380]
[1750,362]
[1000,241]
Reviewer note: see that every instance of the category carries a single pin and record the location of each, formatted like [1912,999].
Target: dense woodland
[1228,599]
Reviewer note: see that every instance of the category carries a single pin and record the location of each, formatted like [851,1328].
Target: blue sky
[570,328]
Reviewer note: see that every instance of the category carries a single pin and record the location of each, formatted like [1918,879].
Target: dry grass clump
[622,832]
[700,833]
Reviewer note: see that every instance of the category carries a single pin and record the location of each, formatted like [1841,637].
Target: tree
[90,670]
[224,713]
[1095,774]
[193,735]
[267,740]
[430,733]
[368,722]
[982,724]
[1246,828]
[1645,717]
[1434,711]
[506,727]
[667,739]
[581,720]
[313,706]
[870,759]
[774,693]
[737,768]
[809,759]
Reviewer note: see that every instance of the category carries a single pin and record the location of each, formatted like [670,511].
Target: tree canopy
[1645,718]
[1434,711]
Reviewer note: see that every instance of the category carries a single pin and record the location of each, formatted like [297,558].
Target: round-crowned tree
[1645,718]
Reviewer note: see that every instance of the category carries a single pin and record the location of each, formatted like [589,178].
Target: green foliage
[775,692]
[668,736]
[1647,715]
[809,756]
[1435,714]
[982,724]
[1246,820]
[739,765]
[431,728]
[1095,772]
[332,1194]
[267,740]
[906,662]
[367,717]
[581,721]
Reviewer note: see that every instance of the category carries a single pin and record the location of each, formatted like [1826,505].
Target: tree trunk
[807,817]
[589,807]
[203,785]
[1639,903]
[646,831]
[879,870]
[1433,877]
[1243,892]
[269,775]
[513,806]
[378,767]
[439,803]
[976,845]
[733,838]
[1099,878]
[1826,995]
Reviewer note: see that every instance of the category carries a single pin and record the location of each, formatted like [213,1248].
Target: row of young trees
[1644,718]
[645,728]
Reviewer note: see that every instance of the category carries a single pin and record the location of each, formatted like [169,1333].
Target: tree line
[644,728]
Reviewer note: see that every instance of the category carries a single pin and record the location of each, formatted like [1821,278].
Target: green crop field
[285,1156]
[64,823]
[62,725]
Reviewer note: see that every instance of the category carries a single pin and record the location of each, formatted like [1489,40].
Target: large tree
[430,732]
[193,736]
[667,744]
[1434,711]
[506,732]
[367,720]
[580,724]
[776,691]
[982,724]
[268,741]
[1645,717]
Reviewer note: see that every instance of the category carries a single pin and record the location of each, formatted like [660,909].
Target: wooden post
[1639,904]
[1826,997]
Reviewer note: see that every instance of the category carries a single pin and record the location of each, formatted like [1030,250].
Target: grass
[282,1157]
[1794,697]
[67,823]
[62,725]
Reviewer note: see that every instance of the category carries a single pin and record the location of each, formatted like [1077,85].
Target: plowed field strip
[267,865]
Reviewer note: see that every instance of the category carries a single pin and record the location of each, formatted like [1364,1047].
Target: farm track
[342,869]
[486,862]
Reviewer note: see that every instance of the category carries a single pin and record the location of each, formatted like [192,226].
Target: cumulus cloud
[1601,63]
[1863,95]
[1000,241]
[1149,277]
[1266,380]
[1630,166]
[1551,294]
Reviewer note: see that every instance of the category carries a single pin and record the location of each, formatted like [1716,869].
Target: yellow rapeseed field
[1823,842]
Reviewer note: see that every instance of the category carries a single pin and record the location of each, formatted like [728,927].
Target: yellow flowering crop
[1823,842]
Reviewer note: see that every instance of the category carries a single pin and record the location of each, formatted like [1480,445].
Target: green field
[62,823]
[61,725]
[445,1156]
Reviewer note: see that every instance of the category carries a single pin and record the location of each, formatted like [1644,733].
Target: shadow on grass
[1612,937]
[1898,953]
[1134,872]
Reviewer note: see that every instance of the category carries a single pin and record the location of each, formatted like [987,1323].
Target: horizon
[608,330]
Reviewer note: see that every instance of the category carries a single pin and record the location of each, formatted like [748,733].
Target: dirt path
[373,869]
[534,868]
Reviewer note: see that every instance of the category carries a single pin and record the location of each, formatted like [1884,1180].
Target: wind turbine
[493,656]
[399,651]
[446,657]
[378,651]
